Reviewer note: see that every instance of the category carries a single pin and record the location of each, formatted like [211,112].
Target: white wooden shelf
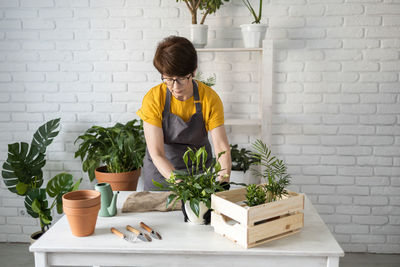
[265,69]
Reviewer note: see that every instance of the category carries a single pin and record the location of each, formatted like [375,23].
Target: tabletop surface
[179,237]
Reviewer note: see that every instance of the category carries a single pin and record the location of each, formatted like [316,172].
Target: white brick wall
[336,94]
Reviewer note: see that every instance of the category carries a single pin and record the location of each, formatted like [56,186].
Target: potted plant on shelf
[242,159]
[121,148]
[209,81]
[199,32]
[22,174]
[254,33]
[195,185]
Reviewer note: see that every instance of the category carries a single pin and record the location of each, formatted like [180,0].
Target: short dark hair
[175,56]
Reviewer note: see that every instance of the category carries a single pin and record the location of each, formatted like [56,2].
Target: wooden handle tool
[153,233]
[121,235]
[139,234]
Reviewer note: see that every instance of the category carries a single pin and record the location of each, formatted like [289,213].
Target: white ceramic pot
[243,177]
[253,34]
[199,35]
[192,217]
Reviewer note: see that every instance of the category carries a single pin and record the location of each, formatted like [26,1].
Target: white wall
[336,95]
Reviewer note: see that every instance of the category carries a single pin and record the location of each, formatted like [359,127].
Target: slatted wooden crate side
[248,237]
[230,209]
[292,203]
[236,233]
[264,232]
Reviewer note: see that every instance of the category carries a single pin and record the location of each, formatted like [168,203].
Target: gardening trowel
[140,235]
[128,238]
[153,233]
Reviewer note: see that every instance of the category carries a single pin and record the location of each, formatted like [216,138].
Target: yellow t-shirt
[154,101]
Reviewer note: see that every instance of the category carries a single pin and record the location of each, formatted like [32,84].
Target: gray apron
[178,136]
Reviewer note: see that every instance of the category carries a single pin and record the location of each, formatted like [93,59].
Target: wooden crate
[251,226]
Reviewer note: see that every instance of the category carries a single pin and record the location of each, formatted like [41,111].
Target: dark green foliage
[241,159]
[22,174]
[255,195]
[274,172]
[197,183]
[121,148]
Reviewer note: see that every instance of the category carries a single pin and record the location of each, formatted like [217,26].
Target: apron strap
[167,105]
[196,97]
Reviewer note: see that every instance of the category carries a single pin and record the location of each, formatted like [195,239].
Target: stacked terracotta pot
[82,208]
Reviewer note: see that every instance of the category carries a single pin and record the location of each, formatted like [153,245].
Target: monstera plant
[22,174]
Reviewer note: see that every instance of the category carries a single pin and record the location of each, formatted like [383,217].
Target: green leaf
[36,203]
[21,188]
[195,206]
[159,185]
[60,184]
[170,199]
[45,134]
[36,206]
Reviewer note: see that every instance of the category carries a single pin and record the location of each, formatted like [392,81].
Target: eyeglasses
[180,81]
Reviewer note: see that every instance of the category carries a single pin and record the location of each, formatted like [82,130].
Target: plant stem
[204,17]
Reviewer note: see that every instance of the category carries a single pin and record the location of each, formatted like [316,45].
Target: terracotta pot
[123,181]
[81,199]
[81,208]
[82,222]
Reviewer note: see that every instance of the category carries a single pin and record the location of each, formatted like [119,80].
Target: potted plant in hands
[22,174]
[199,32]
[195,185]
[254,33]
[121,148]
[242,159]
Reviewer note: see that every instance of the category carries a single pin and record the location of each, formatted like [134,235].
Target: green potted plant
[22,174]
[242,159]
[254,33]
[198,32]
[113,155]
[274,172]
[195,185]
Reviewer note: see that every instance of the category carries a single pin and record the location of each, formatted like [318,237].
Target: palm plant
[22,174]
[195,184]
[120,147]
[274,172]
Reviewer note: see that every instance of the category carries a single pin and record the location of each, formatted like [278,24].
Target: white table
[183,244]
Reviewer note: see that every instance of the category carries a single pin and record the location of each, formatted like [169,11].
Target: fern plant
[274,172]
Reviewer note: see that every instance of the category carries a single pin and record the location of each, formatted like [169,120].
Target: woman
[179,113]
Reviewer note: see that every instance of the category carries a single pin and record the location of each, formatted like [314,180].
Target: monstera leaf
[37,206]
[22,170]
[45,134]
[59,185]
